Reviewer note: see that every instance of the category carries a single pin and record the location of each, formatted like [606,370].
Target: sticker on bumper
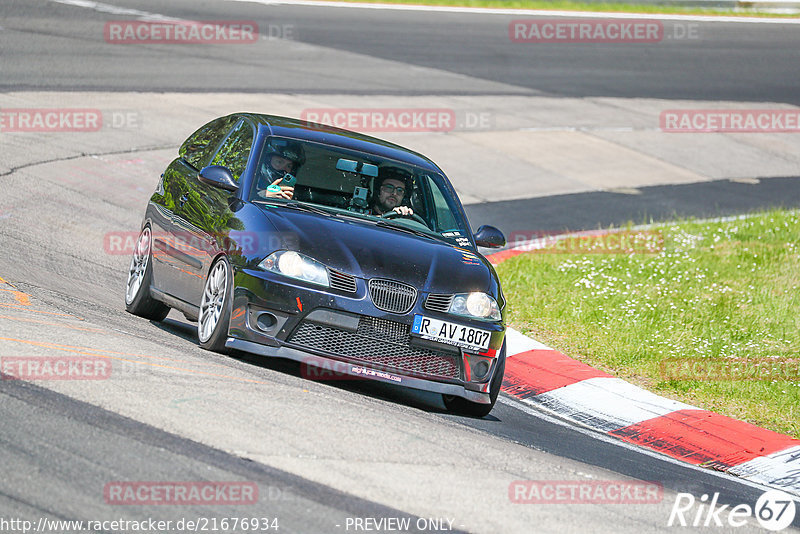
[363,371]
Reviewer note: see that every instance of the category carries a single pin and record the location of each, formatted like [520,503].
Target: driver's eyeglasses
[389,188]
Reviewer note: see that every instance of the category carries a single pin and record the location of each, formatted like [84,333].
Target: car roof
[320,133]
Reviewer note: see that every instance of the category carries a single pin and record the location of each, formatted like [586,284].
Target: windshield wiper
[308,207]
[293,204]
[384,224]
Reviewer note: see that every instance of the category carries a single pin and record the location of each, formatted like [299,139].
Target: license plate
[451,333]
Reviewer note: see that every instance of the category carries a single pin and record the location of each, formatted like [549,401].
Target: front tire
[461,406]
[215,312]
[140,276]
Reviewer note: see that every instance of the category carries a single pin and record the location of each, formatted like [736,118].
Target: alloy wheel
[211,306]
[136,272]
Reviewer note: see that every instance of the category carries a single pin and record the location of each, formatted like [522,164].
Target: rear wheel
[461,406]
[214,317]
[140,275]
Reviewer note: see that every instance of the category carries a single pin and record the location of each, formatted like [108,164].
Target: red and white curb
[540,376]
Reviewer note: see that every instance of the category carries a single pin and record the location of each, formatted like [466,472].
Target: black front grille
[383,329]
[342,281]
[391,296]
[439,303]
[380,343]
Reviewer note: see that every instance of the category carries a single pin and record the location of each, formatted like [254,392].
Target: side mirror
[490,237]
[218,176]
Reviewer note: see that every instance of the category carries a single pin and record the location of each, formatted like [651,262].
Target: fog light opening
[477,368]
[266,321]
[481,369]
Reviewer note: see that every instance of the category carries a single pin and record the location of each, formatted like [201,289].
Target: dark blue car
[291,239]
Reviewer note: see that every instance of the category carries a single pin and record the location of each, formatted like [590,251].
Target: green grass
[721,293]
[566,5]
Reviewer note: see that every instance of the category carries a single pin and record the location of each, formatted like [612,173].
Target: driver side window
[197,149]
[235,151]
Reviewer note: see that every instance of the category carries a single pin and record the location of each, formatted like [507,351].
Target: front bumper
[359,371]
[279,317]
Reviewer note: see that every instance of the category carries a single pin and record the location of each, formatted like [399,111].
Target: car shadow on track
[412,398]
[187,331]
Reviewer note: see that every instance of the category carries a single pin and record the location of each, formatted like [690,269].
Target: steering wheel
[413,217]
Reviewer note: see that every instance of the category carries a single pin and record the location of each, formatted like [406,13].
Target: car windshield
[367,186]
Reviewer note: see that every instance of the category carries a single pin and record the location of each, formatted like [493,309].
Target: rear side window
[235,151]
[197,149]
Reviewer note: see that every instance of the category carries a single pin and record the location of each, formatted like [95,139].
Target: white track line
[608,404]
[101,7]
[517,343]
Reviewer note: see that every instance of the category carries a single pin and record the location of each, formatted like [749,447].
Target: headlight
[295,265]
[475,305]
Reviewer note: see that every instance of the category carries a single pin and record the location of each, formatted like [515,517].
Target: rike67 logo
[775,510]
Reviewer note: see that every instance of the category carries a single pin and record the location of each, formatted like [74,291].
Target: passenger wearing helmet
[283,158]
[390,189]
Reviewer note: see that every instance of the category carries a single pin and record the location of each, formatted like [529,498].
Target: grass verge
[712,319]
[605,7]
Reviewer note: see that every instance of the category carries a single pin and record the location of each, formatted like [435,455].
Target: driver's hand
[403,210]
[286,191]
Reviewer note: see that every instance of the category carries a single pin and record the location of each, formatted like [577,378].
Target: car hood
[368,251]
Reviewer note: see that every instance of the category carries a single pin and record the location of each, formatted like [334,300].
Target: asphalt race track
[325,456]
[752,63]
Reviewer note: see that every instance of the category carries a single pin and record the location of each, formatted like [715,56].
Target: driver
[390,188]
[283,157]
